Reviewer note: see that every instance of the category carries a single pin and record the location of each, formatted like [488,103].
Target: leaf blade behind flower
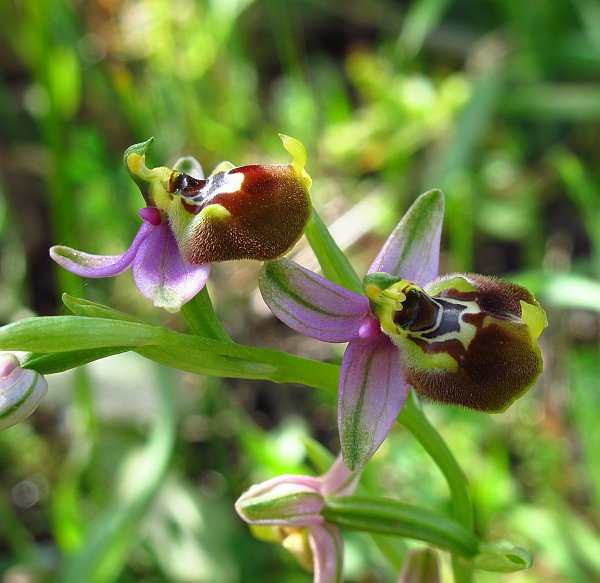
[333,262]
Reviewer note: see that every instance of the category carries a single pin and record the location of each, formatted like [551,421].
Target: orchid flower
[286,509]
[462,339]
[248,212]
[21,391]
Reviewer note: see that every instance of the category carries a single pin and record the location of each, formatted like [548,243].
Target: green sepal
[140,150]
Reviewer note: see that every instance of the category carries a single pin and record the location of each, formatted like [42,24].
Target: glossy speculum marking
[196,193]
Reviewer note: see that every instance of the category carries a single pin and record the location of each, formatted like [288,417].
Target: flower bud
[21,391]
[465,339]
[285,500]
[287,509]
[500,556]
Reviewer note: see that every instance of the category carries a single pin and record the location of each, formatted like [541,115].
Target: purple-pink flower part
[21,391]
[160,272]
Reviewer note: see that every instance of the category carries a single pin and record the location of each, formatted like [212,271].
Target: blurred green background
[128,472]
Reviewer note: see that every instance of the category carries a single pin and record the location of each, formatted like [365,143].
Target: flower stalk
[392,517]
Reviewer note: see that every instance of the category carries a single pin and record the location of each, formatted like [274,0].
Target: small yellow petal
[535,318]
[298,151]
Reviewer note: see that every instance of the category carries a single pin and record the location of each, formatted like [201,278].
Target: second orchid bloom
[248,212]
[461,339]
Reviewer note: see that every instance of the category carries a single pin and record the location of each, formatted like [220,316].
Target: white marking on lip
[219,183]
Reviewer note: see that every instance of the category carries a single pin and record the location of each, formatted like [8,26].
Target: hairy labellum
[466,339]
[248,212]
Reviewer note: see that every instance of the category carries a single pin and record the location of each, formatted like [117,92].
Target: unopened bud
[284,501]
[21,391]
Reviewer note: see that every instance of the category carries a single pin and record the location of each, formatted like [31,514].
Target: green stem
[202,319]
[189,352]
[461,573]
[250,363]
[386,516]
[413,419]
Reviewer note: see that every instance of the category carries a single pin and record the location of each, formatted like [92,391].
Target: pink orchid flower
[248,212]
[462,339]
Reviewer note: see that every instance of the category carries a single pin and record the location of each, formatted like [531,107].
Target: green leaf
[187,352]
[333,262]
[82,307]
[202,319]
[68,333]
[61,361]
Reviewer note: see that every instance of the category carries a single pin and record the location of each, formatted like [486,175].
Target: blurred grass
[494,102]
